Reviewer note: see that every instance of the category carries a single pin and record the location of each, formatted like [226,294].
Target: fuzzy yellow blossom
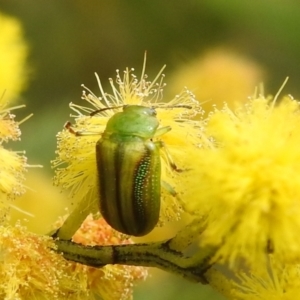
[42,203]
[271,281]
[29,269]
[13,164]
[13,54]
[218,75]
[248,182]
[76,161]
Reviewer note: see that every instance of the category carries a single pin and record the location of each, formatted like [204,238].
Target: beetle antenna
[103,109]
[174,106]
[68,126]
[116,107]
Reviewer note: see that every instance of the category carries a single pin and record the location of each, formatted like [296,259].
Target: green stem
[158,255]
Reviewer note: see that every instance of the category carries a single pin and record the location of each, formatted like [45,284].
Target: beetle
[129,169]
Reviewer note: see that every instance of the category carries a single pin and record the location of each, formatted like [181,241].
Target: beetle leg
[161,131]
[168,188]
[68,126]
[169,157]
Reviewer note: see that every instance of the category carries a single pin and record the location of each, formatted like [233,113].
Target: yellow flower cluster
[218,75]
[249,183]
[272,281]
[30,269]
[14,51]
[13,164]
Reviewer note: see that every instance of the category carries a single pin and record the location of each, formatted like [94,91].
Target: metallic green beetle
[129,170]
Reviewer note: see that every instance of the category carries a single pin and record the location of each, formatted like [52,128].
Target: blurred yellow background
[220,49]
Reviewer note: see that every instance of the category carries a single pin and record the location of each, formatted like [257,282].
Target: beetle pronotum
[129,168]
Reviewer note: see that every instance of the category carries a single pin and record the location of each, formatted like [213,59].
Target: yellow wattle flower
[271,281]
[76,161]
[247,182]
[218,75]
[30,269]
[13,164]
[13,55]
